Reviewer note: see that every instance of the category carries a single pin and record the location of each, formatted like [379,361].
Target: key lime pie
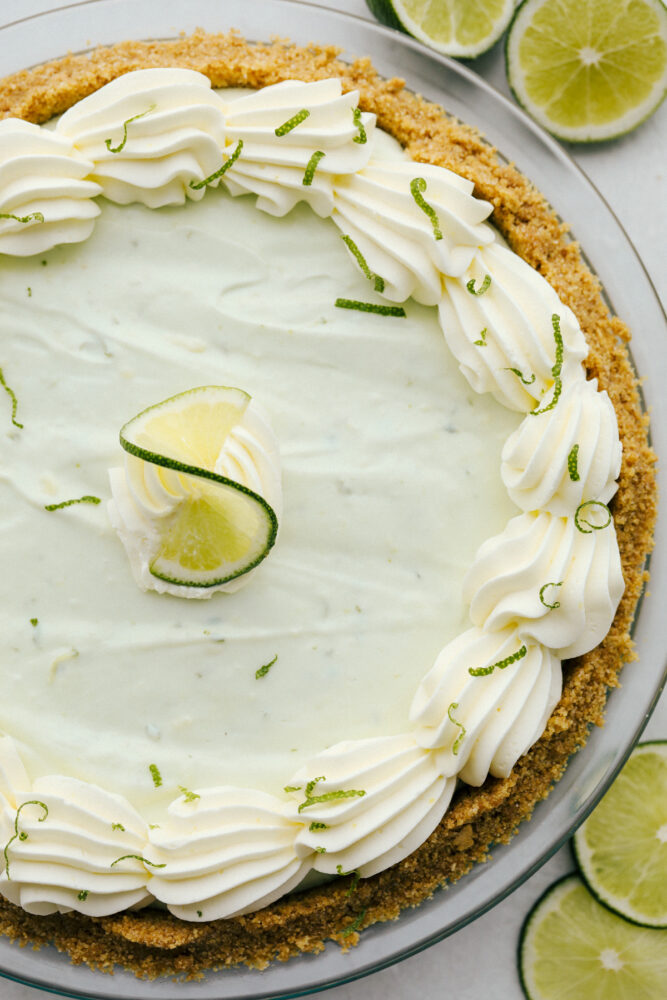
[309,603]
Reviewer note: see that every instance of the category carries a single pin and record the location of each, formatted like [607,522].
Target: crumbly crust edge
[152,943]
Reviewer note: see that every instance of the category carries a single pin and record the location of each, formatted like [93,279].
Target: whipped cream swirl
[485,701]
[557,459]
[556,583]
[368,803]
[413,223]
[295,138]
[45,198]
[151,134]
[225,851]
[143,494]
[500,329]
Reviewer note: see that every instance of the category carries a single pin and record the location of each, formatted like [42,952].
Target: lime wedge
[454,27]
[588,69]
[217,529]
[572,948]
[622,847]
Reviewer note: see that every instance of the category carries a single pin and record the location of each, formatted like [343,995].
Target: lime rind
[622,859]
[570,947]
[465,40]
[558,60]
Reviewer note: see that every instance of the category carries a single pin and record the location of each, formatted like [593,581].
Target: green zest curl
[292,122]
[22,835]
[155,774]
[311,167]
[572,464]
[187,794]
[320,850]
[361,261]
[579,519]
[137,857]
[34,622]
[359,125]
[292,788]
[517,372]
[557,367]
[263,671]
[33,217]
[482,338]
[230,161]
[556,604]
[370,307]
[318,826]
[501,664]
[83,895]
[68,503]
[355,925]
[312,800]
[486,284]
[417,187]
[459,739]
[128,121]
[355,878]
[12,395]
[118,826]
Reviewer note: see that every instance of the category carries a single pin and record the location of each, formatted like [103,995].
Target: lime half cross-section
[588,70]
[463,28]
[573,948]
[216,529]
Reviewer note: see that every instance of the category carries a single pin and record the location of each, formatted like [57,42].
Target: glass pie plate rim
[52,33]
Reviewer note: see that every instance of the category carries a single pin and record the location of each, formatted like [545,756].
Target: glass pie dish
[612,258]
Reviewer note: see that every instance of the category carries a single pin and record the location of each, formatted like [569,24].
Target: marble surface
[630,175]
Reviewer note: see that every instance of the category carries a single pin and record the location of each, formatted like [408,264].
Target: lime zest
[484,287]
[339,793]
[579,520]
[459,739]
[118,826]
[557,366]
[311,784]
[292,122]
[137,857]
[355,925]
[318,826]
[370,307]
[230,161]
[311,167]
[12,395]
[68,503]
[22,835]
[362,138]
[482,340]
[417,187]
[187,794]
[556,604]
[263,671]
[292,788]
[34,622]
[83,895]
[355,878]
[199,913]
[320,850]
[572,464]
[361,261]
[501,664]
[33,217]
[128,121]
[155,774]
[517,372]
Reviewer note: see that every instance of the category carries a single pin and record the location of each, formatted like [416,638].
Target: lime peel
[462,28]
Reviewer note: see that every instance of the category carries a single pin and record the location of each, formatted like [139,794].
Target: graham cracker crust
[153,943]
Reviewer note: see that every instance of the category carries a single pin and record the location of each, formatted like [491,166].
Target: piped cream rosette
[545,588]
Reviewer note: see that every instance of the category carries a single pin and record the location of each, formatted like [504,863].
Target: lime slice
[622,847]
[454,27]
[572,948]
[217,529]
[588,69]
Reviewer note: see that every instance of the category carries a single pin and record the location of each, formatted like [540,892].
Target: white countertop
[631,178]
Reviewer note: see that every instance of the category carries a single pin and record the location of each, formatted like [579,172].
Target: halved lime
[217,529]
[572,948]
[463,28]
[588,69]
[622,846]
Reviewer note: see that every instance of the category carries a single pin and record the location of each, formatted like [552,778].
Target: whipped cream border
[158,136]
